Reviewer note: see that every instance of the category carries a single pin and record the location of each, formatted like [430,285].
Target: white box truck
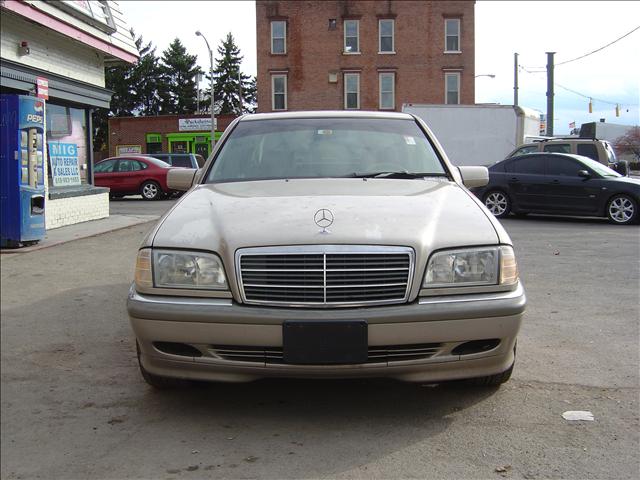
[478,134]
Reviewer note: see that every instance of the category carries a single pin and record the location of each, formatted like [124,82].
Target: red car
[133,174]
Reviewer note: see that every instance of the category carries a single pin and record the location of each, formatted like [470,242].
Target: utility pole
[213,114]
[240,91]
[515,79]
[550,93]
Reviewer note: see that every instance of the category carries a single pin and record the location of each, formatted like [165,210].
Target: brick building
[369,55]
[164,133]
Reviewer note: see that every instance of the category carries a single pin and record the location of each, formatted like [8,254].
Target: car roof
[148,158]
[325,114]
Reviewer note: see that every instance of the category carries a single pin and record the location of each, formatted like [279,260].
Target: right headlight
[471,267]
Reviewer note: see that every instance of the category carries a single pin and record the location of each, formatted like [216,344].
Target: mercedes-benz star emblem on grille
[323,218]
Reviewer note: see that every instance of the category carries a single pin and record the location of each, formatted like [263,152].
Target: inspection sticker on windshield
[409,140]
[325,132]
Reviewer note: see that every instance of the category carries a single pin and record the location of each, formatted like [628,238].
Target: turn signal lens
[508,266]
[143,276]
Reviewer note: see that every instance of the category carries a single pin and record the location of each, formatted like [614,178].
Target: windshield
[599,168]
[325,147]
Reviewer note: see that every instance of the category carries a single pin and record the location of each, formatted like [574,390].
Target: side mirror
[584,174]
[181,178]
[474,176]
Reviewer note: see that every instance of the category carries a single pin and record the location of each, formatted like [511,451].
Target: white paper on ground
[578,415]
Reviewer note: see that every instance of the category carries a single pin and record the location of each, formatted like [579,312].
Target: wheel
[150,190]
[622,210]
[498,378]
[158,381]
[498,203]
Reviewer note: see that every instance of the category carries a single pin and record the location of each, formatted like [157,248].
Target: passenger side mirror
[474,176]
[584,174]
[181,178]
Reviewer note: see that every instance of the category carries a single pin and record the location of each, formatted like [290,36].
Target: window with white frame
[452,35]
[351,91]
[351,36]
[279,37]
[387,82]
[386,31]
[278,92]
[452,88]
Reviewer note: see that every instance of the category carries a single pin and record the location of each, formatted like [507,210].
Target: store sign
[93,12]
[195,124]
[64,164]
[42,87]
[128,149]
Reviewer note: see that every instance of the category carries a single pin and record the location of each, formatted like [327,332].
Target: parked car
[327,244]
[133,174]
[186,160]
[560,184]
[599,150]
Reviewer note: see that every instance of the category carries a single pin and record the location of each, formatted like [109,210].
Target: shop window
[154,143]
[67,141]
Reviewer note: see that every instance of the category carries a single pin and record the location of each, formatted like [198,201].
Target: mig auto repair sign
[64,164]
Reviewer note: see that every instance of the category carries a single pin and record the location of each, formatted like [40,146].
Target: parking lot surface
[75,406]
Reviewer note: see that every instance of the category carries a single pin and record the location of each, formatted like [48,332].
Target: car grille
[325,275]
[274,355]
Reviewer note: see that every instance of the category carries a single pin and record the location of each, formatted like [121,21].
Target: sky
[571,29]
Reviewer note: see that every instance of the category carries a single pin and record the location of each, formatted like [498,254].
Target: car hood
[425,215]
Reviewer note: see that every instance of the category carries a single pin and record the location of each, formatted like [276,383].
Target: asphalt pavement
[74,406]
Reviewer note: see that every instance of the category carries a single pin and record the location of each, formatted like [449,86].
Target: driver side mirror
[584,174]
[474,176]
[181,178]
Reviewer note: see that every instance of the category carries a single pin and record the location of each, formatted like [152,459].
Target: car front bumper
[220,325]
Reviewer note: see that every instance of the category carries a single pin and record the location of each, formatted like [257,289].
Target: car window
[598,167]
[562,166]
[533,165]
[104,167]
[128,166]
[588,150]
[324,147]
[610,153]
[142,165]
[557,148]
[181,162]
[526,149]
[200,159]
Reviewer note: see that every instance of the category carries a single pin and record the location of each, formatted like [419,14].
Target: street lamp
[490,75]
[213,115]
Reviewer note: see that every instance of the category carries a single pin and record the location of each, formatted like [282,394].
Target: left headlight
[177,269]
[471,267]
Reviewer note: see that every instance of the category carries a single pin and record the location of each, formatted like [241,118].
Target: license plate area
[324,343]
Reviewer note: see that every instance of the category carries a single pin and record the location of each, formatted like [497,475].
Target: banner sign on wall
[128,149]
[195,124]
[64,164]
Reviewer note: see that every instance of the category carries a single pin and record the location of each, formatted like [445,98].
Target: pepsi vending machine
[21,170]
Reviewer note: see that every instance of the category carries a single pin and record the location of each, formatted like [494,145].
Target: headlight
[470,267]
[176,269]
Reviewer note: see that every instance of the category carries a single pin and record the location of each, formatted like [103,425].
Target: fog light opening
[476,346]
[181,349]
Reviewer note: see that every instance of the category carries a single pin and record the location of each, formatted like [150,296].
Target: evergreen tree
[145,80]
[230,82]
[177,89]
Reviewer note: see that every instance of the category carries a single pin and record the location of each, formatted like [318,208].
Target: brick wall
[133,130]
[314,51]
[68,211]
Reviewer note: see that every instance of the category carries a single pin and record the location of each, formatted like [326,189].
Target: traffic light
[590,106]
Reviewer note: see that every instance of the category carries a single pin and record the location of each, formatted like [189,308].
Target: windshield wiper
[402,174]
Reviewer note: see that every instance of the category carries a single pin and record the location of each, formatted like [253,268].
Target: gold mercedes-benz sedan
[327,245]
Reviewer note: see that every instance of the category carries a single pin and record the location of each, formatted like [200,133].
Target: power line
[594,51]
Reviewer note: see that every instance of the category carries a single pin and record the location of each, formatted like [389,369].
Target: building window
[67,141]
[386,32]
[278,92]
[352,36]
[351,91]
[154,143]
[452,86]
[279,37]
[387,90]
[452,35]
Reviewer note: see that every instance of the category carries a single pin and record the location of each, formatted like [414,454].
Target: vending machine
[22,155]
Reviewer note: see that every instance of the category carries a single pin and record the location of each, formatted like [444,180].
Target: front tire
[150,190]
[622,210]
[498,203]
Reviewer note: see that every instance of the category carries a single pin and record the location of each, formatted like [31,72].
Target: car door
[125,175]
[526,182]
[567,191]
[103,174]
